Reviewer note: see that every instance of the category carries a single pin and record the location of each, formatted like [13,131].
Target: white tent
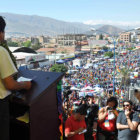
[74,88]
[81,94]
[86,88]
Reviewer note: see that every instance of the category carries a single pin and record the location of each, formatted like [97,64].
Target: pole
[114,69]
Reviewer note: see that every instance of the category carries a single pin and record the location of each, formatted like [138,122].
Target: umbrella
[86,88]
[74,88]
[111,84]
[95,65]
[81,94]
[60,61]
[90,94]
[110,89]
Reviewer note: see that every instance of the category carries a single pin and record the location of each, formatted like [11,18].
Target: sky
[113,12]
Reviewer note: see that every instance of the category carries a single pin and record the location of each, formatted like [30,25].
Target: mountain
[25,25]
[37,25]
[110,29]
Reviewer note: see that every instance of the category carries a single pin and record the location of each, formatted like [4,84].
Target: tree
[105,48]
[130,48]
[36,46]
[109,54]
[27,44]
[101,37]
[59,68]
[13,44]
[106,39]
[125,76]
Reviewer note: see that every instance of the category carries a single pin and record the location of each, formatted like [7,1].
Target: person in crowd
[107,120]
[90,99]
[83,100]
[66,110]
[75,125]
[137,95]
[127,122]
[91,119]
[7,83]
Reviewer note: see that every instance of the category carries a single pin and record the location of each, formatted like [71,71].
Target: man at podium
[7,83]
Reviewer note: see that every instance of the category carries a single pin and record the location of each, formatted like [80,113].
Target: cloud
[109,22]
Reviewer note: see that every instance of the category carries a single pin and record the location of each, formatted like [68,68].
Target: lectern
[40,103]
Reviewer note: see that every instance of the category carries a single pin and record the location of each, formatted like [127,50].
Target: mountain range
[31,25]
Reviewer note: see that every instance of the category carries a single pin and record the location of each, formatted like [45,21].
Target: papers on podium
[23,79]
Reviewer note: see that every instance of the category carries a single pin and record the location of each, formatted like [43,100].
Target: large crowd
[91,109]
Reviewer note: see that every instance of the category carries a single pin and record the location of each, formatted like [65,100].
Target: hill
[30,25]
[110,29]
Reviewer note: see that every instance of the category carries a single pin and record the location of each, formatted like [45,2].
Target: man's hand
[70,134]
[12,84]
[106,108]
[127,113]
[27,85]
[80,130]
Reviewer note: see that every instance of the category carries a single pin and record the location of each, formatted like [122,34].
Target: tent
[90,94]
[60,61]
[74,88]
[81,94]
[95,65]
[86,88]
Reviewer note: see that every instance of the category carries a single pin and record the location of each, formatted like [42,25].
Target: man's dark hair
[82,109]
[129,101]
[2,24]
[113,99]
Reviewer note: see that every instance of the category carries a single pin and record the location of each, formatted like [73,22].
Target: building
[97,43]
[125,37]
[138,37]
[43,39]
[60,49]
[34,40]
[70,39]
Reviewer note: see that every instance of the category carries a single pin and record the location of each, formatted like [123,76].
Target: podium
[40,102]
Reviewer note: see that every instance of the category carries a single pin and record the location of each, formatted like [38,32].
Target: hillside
[36,25]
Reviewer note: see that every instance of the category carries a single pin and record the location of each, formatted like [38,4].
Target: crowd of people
[91,110]
[90,97]
[85,120]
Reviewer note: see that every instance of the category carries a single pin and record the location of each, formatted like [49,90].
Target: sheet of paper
[84,131]
[22,79]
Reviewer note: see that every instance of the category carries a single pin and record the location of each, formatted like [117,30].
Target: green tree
[125,76]
[101,37]
[27,44]
[36,46]
[130,48]
[105,48]
[13,44]
[109,54]
[59,68]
